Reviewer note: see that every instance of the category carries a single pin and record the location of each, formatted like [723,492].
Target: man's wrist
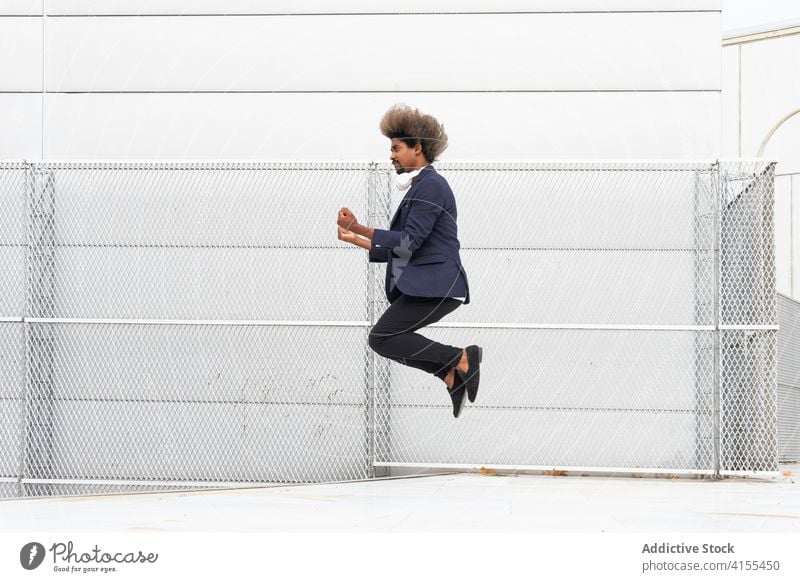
[361,230]
[363,243]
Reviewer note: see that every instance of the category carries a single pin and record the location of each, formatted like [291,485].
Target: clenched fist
[346,219]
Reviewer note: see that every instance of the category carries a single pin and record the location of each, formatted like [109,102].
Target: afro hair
[412,127]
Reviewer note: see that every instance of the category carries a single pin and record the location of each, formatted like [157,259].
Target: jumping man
[424,277]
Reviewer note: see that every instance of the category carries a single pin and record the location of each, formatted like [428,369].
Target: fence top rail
[367,162]
[189,164]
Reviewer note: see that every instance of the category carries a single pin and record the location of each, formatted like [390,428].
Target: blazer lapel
[410,190]
[399,206]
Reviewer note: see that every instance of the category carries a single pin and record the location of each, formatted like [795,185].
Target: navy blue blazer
[421,247]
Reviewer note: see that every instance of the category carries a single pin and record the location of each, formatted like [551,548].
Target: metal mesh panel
[12,239]
[747,314]
[194,324]
[11,402]
[748,415]
[12,304]
[622,243]
[576,398]
[197,324]
[203,241]
[592,287]
[747,244]
[788,378]
[204,403]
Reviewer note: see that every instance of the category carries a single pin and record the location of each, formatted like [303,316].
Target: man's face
[404,158]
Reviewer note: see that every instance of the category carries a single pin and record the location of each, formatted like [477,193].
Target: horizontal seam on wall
[446,13]
[332,91]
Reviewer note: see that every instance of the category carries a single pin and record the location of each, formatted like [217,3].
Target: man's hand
[348,236]
[346,219]
[352,237]
[348,222]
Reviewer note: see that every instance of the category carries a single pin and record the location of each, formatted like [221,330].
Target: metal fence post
[369,375]
[381,372]
[718,197]
[703,211]
[37,441]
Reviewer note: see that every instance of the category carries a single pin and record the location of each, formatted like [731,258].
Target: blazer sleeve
[427,205]
[378,254]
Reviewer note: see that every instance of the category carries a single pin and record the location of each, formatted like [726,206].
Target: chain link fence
[748,318]
[173,325]
[788,373]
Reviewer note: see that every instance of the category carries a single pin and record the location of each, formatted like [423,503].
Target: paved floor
[455,502]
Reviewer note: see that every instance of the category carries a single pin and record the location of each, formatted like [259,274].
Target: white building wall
[760,85]
[311,79]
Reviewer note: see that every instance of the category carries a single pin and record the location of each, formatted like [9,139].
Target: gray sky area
[738,14]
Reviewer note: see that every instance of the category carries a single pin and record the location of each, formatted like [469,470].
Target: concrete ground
[461,502]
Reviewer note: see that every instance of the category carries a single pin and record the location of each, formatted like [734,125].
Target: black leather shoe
[458,394]
[472,377]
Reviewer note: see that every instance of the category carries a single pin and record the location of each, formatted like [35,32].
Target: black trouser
[393,335]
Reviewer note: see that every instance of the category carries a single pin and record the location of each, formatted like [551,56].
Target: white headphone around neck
[403,181]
